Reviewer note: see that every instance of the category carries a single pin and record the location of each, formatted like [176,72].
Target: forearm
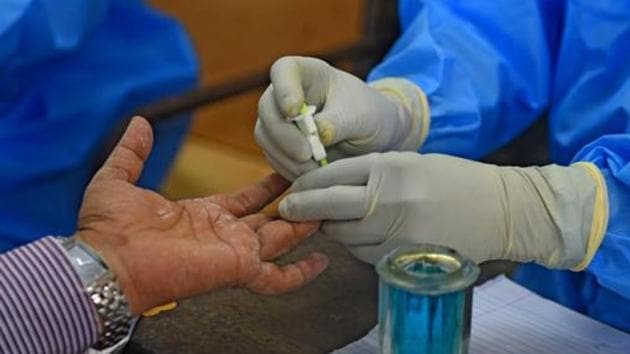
[43,308]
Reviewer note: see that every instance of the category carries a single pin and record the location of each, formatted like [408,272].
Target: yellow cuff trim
[159,309]
[600,215]
[418,104]
[426,115]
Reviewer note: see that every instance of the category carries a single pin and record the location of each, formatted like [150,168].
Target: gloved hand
[353,118]
[552,215]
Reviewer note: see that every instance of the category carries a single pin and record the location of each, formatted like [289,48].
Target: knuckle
[282,61]
[279,66]
[319,63]
[246,201]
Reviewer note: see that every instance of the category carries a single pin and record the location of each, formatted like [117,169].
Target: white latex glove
[552,215]
[352,117]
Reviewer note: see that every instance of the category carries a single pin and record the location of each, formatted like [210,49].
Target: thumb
[336,126]
[126,161]
[348,120]
[330,132]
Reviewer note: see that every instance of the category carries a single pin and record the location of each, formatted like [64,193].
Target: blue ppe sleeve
[602,291]
[484,65]
[70,71]
[599,95]
[592,104]
[611,264]
[591,93]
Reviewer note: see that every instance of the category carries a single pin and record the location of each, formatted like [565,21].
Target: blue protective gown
[491,68]
[70,70]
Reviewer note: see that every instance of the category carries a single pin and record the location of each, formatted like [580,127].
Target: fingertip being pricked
[307,228]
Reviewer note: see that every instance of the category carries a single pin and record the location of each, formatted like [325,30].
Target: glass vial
[425,300]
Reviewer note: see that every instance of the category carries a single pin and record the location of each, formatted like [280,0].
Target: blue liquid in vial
[425,302]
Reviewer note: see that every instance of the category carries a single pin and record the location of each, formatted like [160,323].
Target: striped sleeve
[43,308]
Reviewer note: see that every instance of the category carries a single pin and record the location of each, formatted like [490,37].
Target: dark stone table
[336,309]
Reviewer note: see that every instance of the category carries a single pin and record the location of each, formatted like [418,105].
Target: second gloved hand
[552,215]
[352,117]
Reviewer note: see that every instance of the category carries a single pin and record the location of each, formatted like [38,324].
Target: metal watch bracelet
[112,308]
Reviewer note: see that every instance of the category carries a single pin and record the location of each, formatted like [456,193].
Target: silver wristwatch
[115,318]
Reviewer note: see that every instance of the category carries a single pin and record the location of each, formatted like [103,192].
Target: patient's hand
[163,250]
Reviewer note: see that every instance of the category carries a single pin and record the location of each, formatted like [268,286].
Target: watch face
[86,265]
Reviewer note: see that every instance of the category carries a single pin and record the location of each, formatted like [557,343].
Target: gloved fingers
[354,232]
[279,130]
[332,203]
[350,171]
[274,279]
[336,122]
[296,168]
[332,154]
[292,76]
[331,128]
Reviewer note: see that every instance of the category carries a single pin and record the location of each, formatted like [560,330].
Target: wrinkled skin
[164,250]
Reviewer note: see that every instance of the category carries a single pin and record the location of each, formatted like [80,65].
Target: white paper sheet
[508,318]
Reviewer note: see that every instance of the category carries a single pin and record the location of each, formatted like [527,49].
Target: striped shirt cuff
[43,308]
